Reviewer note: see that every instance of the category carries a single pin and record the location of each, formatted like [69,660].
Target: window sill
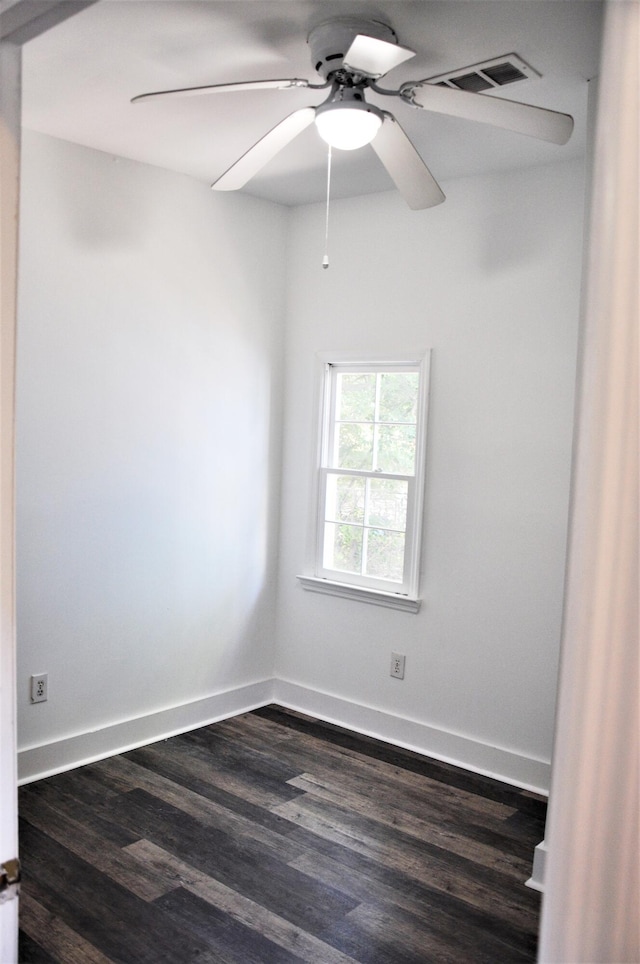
[374,596]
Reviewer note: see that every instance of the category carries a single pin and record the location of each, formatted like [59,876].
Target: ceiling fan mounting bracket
[330,41]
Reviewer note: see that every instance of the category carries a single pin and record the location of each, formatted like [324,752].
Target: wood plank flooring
[273,837]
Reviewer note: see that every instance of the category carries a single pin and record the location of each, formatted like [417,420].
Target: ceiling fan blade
[373,57]
[548,125]
[225,88]
[264,150]
[411,175]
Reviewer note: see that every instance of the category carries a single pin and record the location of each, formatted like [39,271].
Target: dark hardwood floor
[273,837]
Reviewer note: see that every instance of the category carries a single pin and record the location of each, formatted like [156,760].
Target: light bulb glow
[348,128]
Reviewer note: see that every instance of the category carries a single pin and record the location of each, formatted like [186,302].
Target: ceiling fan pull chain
[325,260]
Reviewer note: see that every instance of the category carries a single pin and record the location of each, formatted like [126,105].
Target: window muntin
[370,476]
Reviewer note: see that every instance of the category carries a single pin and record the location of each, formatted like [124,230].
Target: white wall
[148,441]
[150,373]
[490,281]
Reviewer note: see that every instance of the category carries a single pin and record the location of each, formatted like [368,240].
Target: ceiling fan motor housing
[329,42]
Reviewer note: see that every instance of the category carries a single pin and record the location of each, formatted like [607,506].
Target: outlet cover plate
[397,666]
[39,688]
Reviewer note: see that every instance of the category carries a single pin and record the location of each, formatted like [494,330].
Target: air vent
[498,72]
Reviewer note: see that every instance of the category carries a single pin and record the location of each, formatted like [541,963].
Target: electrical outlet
[39,688]
[397,666]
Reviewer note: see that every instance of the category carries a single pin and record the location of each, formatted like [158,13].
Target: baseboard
[536,880]
[463,751]
[36,762]
[44,760]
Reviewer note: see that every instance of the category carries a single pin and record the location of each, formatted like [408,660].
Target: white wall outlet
[39,688]
[397,666]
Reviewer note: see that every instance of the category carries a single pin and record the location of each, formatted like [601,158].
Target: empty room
[297,478]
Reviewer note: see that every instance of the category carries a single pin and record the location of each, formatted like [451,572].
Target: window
[370,480]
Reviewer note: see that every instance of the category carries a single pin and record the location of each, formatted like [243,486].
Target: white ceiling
[79,78]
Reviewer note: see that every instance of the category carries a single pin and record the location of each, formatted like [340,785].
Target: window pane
[396,449]
[387,504]
[385,554]
[343,547]
[348,500]
[398,397]
[355,446]
[356,398]
[370,497]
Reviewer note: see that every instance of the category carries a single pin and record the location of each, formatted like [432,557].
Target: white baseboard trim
[36,762]
[536,880]
[507,766]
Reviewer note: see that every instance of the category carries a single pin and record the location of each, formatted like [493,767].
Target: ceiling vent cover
[498,72]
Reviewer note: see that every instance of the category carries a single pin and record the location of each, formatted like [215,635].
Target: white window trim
[392,600]
[309,579]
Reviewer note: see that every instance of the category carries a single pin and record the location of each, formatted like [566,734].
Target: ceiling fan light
[348,127]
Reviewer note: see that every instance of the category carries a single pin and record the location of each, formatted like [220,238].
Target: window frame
[318,578]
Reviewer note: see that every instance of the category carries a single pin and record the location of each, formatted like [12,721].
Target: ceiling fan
[351,55]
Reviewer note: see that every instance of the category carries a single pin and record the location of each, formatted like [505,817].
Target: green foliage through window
[371,462]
